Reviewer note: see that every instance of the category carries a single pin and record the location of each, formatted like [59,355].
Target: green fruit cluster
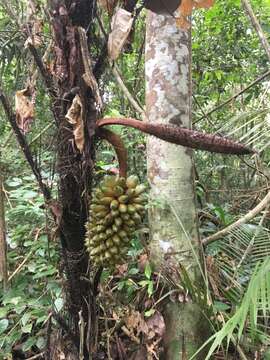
[117,208]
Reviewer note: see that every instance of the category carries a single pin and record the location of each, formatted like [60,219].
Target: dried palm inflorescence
[116,212]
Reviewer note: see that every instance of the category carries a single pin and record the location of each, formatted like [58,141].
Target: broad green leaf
[3,325]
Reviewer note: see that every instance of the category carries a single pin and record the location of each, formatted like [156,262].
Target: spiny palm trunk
[75,167]
[173,225]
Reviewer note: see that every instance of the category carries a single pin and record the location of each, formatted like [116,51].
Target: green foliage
[255,301]
[34,287]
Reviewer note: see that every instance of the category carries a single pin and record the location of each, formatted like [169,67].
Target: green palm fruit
[136,218]
[108,220]
[109,243]
[121,182]
[126,240]
[123,199]
[132,181]
[131,223]
[116,240]
[114,213]
[141,199]
[102,237]
[118,221]
[109,231]
[110,181]
[131,209]
[139,207]
[129,229]
[114,250]
[100,229]
[107,191]
[140,189]
[102,247]
[122,234]
[130,193]
[125,216]
[95,238]
[115,228]
[114,205]
[101,214]
[118,191]
[123,208]
[106,200]
[98,194]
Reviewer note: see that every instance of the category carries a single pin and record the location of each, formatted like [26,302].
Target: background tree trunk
[3,247]
[173,223]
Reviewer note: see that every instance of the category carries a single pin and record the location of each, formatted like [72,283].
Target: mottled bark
[173,227]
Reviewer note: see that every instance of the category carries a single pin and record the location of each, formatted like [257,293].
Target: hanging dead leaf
[75,117]
[121,26]
[24,107]
[185,10]
[108,5]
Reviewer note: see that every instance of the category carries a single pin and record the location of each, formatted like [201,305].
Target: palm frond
[240,252]
[256,300]
[250,128]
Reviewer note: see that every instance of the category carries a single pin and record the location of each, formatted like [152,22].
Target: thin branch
[249,216]
[257,26]
[181,136]
[226,102]
[41,133]
[126,92]
[24,145]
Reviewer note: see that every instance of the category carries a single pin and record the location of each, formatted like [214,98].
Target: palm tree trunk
[173,223]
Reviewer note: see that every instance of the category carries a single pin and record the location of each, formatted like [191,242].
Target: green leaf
[220,306]
[133,271]
[148,271]
[149,313]
[59,303]
[41,342]
[150,288]
[3,325]
[28,344]
[25,318]
[27,328]
[4,311]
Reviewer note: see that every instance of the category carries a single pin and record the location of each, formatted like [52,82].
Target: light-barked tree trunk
[172,216]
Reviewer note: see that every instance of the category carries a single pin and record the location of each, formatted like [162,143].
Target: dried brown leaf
[206,4]
[121,26]
[25,110]
[185,10]
[136,323]
[75,117]
[108,5]
[156,325]
[35,38]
